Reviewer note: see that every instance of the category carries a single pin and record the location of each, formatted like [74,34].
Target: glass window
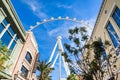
[105,55]
[28,57]
[16,38]
[8,35]
[116,16]
[6,38]
[113,35]
[12,46]
[24,71]
[104,52]
[1,28]
[5,22]
[11,30]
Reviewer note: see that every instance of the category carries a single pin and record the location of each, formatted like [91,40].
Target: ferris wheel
[58,44]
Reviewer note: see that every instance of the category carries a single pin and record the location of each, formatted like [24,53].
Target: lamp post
[15,76]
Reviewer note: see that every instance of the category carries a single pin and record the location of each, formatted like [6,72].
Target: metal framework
[59,42]
[60,18]
[60,51]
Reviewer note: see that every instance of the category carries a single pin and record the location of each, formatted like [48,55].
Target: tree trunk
[41,76]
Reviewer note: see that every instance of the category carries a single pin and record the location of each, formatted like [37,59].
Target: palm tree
[72,77]
[45,69]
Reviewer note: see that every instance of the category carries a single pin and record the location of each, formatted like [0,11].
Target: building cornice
[98,17]
[8,7]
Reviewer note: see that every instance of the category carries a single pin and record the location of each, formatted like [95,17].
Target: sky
[32,11]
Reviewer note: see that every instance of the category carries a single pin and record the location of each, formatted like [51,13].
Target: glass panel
[5,22]
[28,57]
[104,52]
[105,55]
[113,35]
[117,11]
[116,16]
[11,30]
[6,38]
[16,38]
[13,45]
[1,28]
[24,71]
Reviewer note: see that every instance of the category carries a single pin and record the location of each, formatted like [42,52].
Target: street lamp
[15,76]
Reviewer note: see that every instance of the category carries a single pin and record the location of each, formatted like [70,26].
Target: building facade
[15,38]
[107,27]
[25,65]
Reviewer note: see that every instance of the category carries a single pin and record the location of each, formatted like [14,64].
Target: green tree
[92,69]
[3,55]
[45,70]
[72,77]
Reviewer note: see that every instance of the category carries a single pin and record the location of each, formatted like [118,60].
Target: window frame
[27,58]
[10,31]
[114,12]
[111,34]
[24,69]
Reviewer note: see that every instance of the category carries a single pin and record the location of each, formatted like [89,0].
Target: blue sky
[32,11]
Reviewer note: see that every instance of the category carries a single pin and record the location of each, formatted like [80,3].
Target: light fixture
[67,17]
[52,18]
[59,17]
[74,19]
[44,20]
[15,76]
[37,23]
[31,27]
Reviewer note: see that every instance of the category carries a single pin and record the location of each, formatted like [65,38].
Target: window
[11,31]
[5,22]
[13,45]
[104,55]
[113,35]
[116,16]
[1,28]
[8,36]
[24,71]
[28,57]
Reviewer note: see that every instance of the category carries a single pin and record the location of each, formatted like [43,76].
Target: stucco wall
[30,47]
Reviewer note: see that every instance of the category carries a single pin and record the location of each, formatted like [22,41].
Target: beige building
[22,45]
[25,65]
[107,27]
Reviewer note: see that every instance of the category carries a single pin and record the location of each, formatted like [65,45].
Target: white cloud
[36,7]
[90,26]
[62,30]
[64,6]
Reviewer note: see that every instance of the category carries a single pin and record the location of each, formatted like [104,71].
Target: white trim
[28,50]
[109,14]
[2,15]
[12,41]
[5,29]
[2,12]
[33,41]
